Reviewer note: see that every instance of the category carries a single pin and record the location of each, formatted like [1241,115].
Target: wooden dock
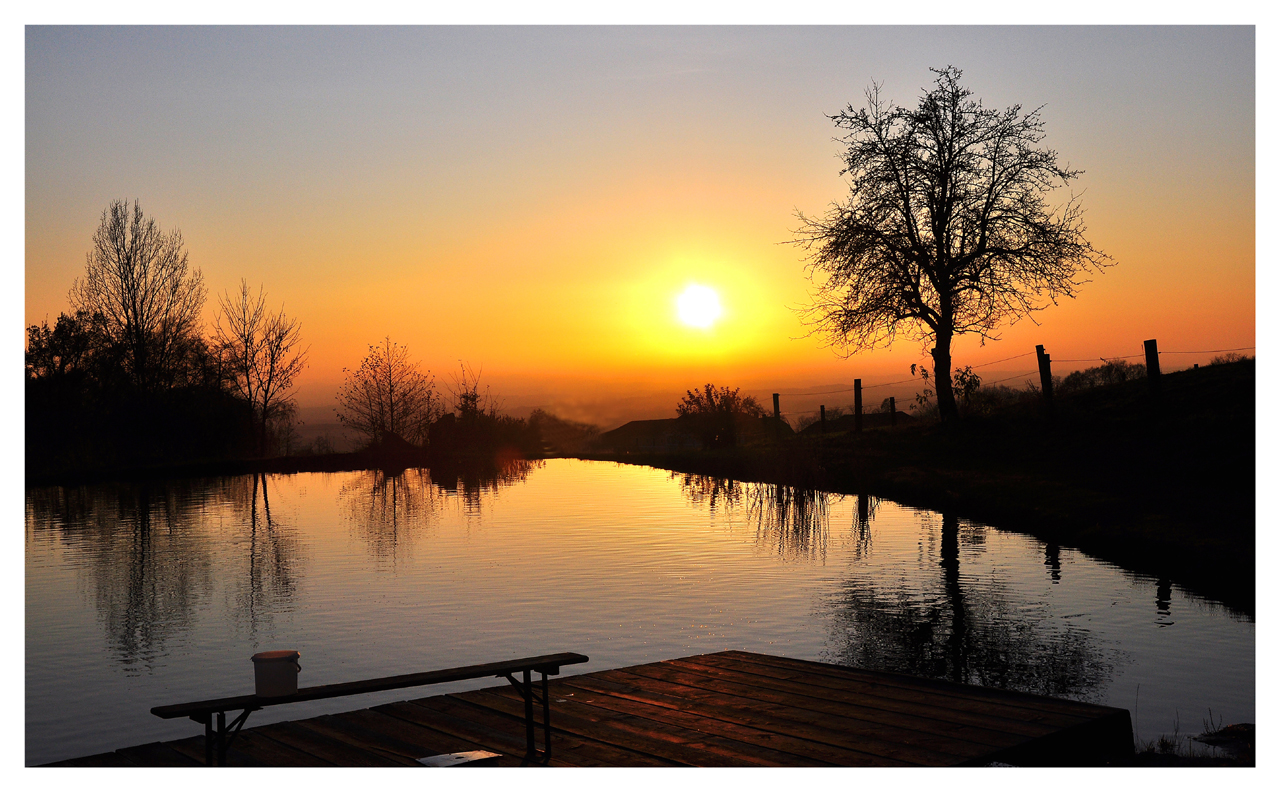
[728,709]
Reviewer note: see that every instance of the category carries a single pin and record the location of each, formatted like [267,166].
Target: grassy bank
[1161,485]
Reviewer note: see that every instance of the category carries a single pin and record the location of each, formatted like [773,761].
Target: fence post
[822,416]
[893,412]
[857,405]
[777,417]
[1046,376]
[1153,365]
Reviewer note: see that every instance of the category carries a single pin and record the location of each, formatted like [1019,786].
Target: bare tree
[259,356]
[947,229]
[140,291]
[389,393]
[469,405]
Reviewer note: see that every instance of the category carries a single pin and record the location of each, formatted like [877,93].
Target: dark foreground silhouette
[1161,485]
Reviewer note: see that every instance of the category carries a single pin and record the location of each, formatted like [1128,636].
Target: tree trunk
[947,409]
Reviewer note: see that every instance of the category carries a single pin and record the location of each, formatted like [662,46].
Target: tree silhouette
[388,393]
[947,229]
[713,413]
[141,294]
[259,355]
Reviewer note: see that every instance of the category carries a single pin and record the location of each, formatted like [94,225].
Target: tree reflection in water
[864,518]
[789,521]
[273,560]
[149,553]
[951,629]
[391,508]
[388,509]
[711,491]
[933,621]
[473,480]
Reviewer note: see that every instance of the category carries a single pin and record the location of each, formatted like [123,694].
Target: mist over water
[146,594]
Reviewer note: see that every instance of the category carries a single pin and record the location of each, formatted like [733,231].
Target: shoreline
[985,498]
[1160,484]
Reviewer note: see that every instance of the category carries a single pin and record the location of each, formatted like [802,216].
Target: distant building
[672,434]
[662,434]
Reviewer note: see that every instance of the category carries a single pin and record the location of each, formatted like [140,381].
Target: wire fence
[1016,376]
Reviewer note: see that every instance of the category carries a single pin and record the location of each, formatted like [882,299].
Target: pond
[156,593]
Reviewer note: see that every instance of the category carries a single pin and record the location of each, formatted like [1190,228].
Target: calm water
[140,595]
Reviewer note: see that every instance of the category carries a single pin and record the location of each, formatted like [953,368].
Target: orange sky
[532,200]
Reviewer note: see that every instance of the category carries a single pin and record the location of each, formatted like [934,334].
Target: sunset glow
[698,306]
[358,176]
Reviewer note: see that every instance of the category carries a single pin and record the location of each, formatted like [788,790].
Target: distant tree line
[394,405]
[126,377]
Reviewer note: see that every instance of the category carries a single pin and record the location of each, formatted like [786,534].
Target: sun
[698,306]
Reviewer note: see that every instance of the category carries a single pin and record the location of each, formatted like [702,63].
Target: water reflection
[390,509]
[936,619]
[789,521]
[1051,560]
[148,551]
[1164,601]
[273,560]
[473,480]
[710,491]
[958,630]
[864,517]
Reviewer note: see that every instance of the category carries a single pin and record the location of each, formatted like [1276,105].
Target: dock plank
[988,714]
[499,733]
[334,750]
[869,707]
[784,750]
[676,745]
[903,745]
[953,690]
[156,754]
[724,709]
[108,759]
[342,727]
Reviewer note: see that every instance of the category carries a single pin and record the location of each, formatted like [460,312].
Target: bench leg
[217,739]
[530,751]
[546,721]
[529,694]
[208,741]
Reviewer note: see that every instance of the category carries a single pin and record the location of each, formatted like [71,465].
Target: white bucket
[276,673]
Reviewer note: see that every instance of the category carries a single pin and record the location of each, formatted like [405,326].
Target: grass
[1216,746]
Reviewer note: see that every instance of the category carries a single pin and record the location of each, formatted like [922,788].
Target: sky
[532,200]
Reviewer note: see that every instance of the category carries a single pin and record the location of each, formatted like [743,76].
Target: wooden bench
[218,738]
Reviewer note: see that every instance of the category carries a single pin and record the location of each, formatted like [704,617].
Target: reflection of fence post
[857,405]
[777,418]
[1153,365]
[893,412]
[822,416]
[1046,376]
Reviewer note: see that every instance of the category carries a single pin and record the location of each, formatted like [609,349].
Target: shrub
[1111,372]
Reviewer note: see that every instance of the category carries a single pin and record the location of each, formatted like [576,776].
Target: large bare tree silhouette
[947,228]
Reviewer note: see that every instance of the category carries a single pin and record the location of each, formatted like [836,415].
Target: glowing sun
[698,306]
